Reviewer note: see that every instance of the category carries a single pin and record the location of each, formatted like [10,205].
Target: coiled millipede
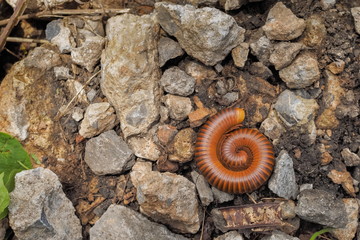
[233,159]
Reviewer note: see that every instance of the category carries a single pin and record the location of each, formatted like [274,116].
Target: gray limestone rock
[168,49]
[321,207]
[302,72]
[120,222]
[282,181]
[284,53]
[166,197]
[145,147]
[176,81]
[240,54]
[294,110]
[232,4]
[221,196]
[206,34]
[281,24]
[232,235]
[131,73]
[99,117]
[179,107]
[108,154]
[262,48]
[39,208]
[202,186]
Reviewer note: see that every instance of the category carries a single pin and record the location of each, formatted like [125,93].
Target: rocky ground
[112,105]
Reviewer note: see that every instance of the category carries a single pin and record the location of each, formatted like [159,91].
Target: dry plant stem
[60,13]
[26,40]
[12,22]
[62,113]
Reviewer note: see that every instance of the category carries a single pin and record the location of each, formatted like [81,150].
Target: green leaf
[13,159]
[4,198]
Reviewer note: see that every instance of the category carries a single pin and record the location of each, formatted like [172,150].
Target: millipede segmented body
[233,159]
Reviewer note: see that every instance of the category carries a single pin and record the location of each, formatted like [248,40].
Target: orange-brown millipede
[233,159]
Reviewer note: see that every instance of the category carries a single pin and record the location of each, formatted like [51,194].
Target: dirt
[84,188]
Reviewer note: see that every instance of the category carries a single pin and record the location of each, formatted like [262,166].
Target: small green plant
[13,159]
[318,233]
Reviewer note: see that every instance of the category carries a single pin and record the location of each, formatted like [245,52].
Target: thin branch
[13,21]
[26,40]
[59,13]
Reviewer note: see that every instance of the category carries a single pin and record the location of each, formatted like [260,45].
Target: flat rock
[183,146]
[232,235]
[240,54]
[131,74]
[355,12]
[277,235]
[321,207]
[166,133]
[349,231]
[176,81]
[108,154]
[98,118]
[133,226]
[179,107]
[203,189]
[282,182]
[302,72]
[351,159]
[261,48]
[284,53]
[168,49]
[295,110]
[281,24]
[175,205]
[60,35]
[209,43]
[49,216]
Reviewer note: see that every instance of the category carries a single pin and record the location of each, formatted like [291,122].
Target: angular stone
[221,196]
[198,71]
[281,24]
[344,178]
[168,49]
[228,98]
[166,134]
[203,189]
[315,32]
[349,231]
[179,107]
[336,67]
[351,159]
[163,204]
[88,54]
[272,126]
[282,182]
[133,226]
[108,154]
[302,72]
[232,4]
[183,146]
[130,78]
[60,35]
[327,4]
[240,54]
[232,235]
[355,12]
[49,216]
[199,116]
[331,98]
[277,235]
[321,207]
[284,53]
[145,147]
[262,48]
[260,70]
[98,118]
[295,110]
[176,81]
[209,43]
